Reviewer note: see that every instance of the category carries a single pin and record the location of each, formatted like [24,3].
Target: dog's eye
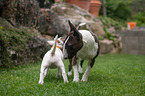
[58,41]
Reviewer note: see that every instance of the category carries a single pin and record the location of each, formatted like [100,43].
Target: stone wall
[133,41]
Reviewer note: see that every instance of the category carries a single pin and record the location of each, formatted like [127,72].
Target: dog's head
[59,42]
[73,42]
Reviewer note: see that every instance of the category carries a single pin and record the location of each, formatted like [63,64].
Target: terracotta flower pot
[58,0]
[95,7]
[84,4]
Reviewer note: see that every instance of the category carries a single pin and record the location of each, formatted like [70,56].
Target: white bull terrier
[53,59]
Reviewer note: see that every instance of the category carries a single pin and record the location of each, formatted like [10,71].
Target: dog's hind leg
[58,73]
[61,65]
[45,72]
[42,75]
[87,72]
[81,66]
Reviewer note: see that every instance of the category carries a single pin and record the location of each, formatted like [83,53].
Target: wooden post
[104,9]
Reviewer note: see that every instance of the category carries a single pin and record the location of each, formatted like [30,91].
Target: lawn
[112,75]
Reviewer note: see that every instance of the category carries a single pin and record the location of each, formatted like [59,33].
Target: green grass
[112,75]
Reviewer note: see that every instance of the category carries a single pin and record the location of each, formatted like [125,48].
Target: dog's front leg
[70,67]
[75,68]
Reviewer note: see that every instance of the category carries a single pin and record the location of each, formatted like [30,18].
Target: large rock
[20,45]
[106,46]
[111,46]
[77,15]
[24,12]
[38,47]
[50,23]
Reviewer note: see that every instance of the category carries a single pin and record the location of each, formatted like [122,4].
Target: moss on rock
[14,37]
[14,43]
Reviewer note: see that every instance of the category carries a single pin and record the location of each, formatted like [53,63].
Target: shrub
[117,9]
[108,22]
[108,35]
[139,18]
[122,11]
[3,49]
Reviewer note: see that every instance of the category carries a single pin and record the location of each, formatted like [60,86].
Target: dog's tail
[54,46]
[82,24]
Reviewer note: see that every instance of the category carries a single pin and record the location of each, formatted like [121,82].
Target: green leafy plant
[108,35]
[139,18]
[117,9]
[109,22]
[122,11]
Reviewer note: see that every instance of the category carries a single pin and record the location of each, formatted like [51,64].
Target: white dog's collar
[58,47]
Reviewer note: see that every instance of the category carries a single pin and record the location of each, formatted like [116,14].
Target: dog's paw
[84,79]
[66,81]
[76,80]
[40,82]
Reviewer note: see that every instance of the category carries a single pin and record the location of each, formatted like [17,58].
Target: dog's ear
[72,27]
[51,42]
[74,30]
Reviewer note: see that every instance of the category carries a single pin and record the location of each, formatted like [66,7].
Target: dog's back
[89,48]
[52,60]
[53,56]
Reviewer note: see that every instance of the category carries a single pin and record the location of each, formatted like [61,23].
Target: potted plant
[58,0]
[95,6]
[84,4]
